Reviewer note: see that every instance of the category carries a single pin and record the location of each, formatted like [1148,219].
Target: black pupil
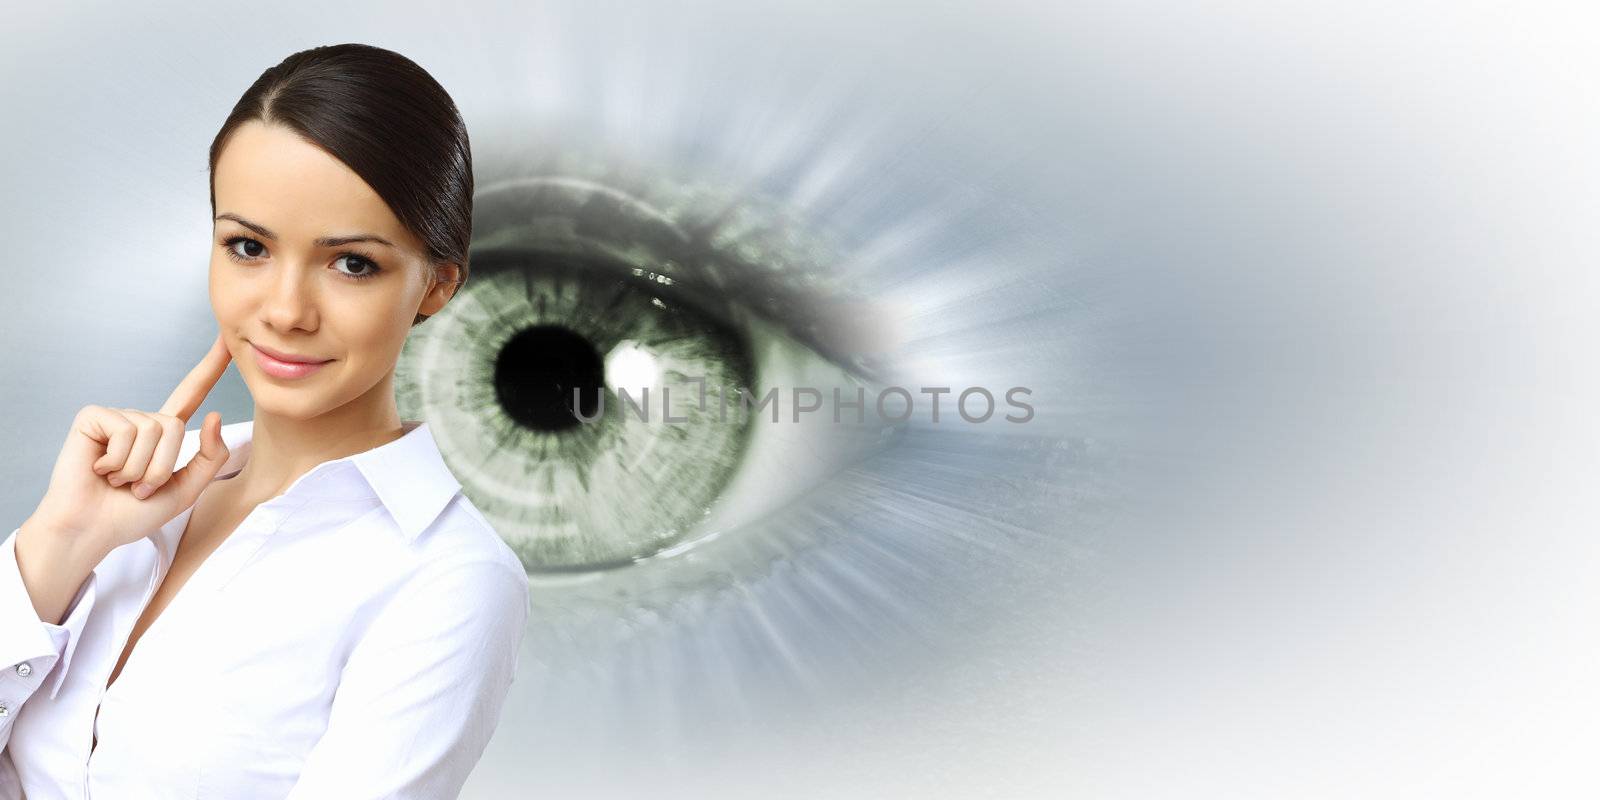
[536,372]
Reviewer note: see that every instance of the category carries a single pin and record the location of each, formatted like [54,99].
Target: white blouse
[355,637]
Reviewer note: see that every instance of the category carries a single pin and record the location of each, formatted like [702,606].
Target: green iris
[504,364]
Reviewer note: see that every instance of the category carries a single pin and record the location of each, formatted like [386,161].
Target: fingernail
[142,490]
[117,481]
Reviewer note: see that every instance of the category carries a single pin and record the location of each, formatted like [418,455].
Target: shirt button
[24,669]
[4,711]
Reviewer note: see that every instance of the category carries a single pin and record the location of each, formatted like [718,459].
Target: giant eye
[615,381]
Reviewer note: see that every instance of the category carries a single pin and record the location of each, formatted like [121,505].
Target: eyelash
[227,247]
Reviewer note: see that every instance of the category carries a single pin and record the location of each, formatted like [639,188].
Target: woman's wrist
[54,563]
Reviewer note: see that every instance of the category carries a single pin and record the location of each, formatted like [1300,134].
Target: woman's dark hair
[389,121]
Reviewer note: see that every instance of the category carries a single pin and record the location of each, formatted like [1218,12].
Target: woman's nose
[292,300]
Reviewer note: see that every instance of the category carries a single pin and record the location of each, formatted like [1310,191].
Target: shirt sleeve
[33,653]
[422,690]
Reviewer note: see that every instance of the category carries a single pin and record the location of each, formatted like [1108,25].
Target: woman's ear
[444,283]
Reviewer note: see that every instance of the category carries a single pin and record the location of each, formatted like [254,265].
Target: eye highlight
[371,265]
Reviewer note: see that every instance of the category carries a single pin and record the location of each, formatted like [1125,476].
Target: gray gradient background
[1318,279]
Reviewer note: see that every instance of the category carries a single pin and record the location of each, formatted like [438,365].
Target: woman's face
[274,284]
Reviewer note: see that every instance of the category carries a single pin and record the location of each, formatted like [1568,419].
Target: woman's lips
[284,369]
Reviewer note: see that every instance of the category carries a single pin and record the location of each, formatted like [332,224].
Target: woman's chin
[288,402]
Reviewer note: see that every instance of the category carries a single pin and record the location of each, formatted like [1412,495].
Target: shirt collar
[408,475]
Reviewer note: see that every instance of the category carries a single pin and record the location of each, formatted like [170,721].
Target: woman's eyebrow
[325,241]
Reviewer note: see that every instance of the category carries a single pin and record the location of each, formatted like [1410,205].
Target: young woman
[308,607]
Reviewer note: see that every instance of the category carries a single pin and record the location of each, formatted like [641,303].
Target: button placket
[236,551]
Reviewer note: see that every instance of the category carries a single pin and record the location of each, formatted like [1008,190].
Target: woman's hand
[97,493]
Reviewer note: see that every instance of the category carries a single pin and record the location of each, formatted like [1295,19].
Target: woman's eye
[247,248]
[349,264]
[356,266]
[590,310]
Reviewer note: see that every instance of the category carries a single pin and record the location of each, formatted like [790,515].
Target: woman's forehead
[270,176]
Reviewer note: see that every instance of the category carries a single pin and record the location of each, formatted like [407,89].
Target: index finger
[186,399]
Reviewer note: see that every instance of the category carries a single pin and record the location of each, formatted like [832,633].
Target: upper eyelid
[686,278]
[230,240]
[702,259]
